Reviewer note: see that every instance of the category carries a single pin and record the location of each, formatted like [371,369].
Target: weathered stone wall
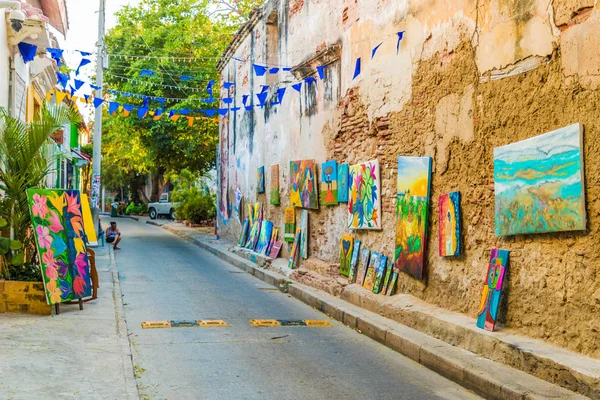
[470,76]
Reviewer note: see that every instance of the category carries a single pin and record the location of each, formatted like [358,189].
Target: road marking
[263,323]
[156,324]
[212,323]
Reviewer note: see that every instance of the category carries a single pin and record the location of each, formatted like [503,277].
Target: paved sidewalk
[75,355]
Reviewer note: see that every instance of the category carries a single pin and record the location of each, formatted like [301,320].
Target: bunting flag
[184,112]
[127,109]
[400,36]
[175,117]
[98,102]
[297,86]
[280,94]
[259,70]
[245,98]
[87,98]
[84,53]
[113,106]
[223,111]
[227,85]
[310,80]
[264,88]
[146,72]
[78,84]
[186,78]
[49,96]
[210,113]
[249,108]
[146,101]
[273,71]
[84,61]
[142,112]
[62,79]
[72,89]
[60,96]
[235,109]
[227,100]
[286,69]
[95,87]
[191,121]
[56,55]
[27,51]
[157,116]
[356,69]
[209,87]
[262,98]
[321,71]
[375,50]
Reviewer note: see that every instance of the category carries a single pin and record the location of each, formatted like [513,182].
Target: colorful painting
[354,261]
[274,252]
[275,184]
[492,289]
[303,184]
[393,282]
[266,229]
[539,184]
[88,222]
[253,236]
[260,180]
[250,213]
[388,275]
[60,238]
[237,207]
[369,282]
[274,233]
[412,214]
[304,237]
[380,274]
[363,264]
[449,223]
[346,244]
[364,204]
[244,233]
[292,263]
[343,172]
[289,220]
[329,183]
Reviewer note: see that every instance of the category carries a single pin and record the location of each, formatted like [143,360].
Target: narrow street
[165,278]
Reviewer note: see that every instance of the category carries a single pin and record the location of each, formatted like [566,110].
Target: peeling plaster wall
[470,75]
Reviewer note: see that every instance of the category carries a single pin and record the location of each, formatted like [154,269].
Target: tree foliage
[154,36]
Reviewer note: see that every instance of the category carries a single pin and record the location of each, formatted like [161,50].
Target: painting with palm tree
[364,204]
[329,182]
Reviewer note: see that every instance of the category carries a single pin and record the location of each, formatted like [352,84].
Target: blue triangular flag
[158,112]
[183,112]
[27,51]
[249,108]
[400,36]
[297,86]
[262,97]
[146,101]
[310,80]
[264,88]
[227,85]
[63,79]
[142,111]
[186,78]
[356,69]
[375,50]
[209,89]
[128,107]
[98,102]
[72,89]
[94,87]
[78,84]
[55,54]
[227,100]
[210,113]
[146,72]
[84,53]
[286,69]
[259,70]
[87,98]
[171,112]
[273,71]
[235,109]
[84,61]
[113,106]
[223,111]
[245,98]
[280,94]
[321,71]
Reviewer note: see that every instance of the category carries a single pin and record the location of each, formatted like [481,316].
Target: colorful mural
[303,184]
[354,261]
[539,184]
[289,220]
[342,176]
[363,264]
[346,254]
[260,180]
[60,238]
[364,204]
[492,289]
[412,213]
[274,184]
[449,224]
[380,274]
[329,183]
[371,274]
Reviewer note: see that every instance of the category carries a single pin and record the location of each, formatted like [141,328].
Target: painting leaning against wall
[487,315]
[364,204]
[260,180]
[449,225]
[274,189]
[346,244]
[329,183]
[539,184]
[412,213]
[342,176]
[303,184]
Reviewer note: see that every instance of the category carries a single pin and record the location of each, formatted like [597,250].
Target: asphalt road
[165,278]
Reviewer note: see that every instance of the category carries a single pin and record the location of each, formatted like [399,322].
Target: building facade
[465,78]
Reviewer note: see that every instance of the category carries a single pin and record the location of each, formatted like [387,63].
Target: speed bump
[263,323]
[184,324]
[318,323]
[156,324]
[313,323]
[211,323]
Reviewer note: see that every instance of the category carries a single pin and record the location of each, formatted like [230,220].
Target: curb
[485,377]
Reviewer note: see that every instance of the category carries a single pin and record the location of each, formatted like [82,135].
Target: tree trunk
[156,184]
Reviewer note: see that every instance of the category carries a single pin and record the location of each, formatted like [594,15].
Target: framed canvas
[538,184]
[364,204]
[380,274]
[88,222]
[274,253]
[289,220]
[387,277]
[260,180]
[266,230]
[305,233]
[243,233]
[329,183]
[274,185]
[393,282]
[369,282]
[354,261]
[449,225]
[274,233]
[346,244]
[492,289]
[303,184]
[292,262]
[342,176]
[60,239]
[412,214]
[363,264]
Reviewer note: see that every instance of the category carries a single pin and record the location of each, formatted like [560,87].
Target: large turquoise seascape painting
[539,184]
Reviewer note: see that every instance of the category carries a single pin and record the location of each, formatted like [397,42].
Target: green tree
[164,36]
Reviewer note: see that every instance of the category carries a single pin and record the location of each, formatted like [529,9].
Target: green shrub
[192,203]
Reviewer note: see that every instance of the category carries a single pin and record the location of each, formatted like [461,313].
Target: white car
[163,207]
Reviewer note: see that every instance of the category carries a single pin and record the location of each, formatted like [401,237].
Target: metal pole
[96,162]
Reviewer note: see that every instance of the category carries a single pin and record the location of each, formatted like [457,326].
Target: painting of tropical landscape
[539,184]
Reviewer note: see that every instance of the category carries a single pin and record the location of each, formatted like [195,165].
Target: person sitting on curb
[113,234]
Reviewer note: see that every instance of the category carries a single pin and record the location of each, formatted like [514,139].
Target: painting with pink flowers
[60,238]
